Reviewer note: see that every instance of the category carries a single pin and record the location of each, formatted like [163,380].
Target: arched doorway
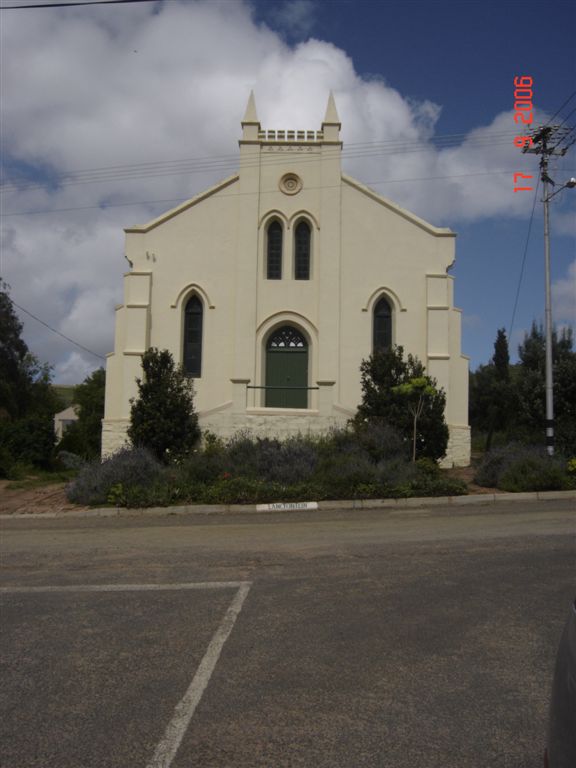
[286,369]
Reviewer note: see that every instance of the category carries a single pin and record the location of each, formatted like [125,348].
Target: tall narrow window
[302,251]
[382,326]
[193,315]
[274,251]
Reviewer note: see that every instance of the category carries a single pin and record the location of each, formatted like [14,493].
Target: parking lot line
[184,711]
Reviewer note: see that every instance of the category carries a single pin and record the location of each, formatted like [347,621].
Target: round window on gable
[290,184]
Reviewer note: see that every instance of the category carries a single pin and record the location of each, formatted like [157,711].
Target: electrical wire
[511,327]
[222,163]
[76,343]
[179,200]
[71,4]
[561,108]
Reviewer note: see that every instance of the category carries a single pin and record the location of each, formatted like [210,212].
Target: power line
[180,200]
[77,344]
[222,163]
[523,260]
[71,4]
[562,107]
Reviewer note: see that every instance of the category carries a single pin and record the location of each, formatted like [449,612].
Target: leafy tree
[384,401]
[163,417]
[13,355]
[27,401]
[501,358]
[84,437]
[416,391]
[529,384]
[491,393]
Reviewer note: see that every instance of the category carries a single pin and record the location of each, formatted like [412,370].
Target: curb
[477,500]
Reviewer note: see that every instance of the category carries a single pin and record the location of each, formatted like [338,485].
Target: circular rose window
[290,184]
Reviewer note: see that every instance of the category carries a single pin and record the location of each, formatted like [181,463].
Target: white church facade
[271,287]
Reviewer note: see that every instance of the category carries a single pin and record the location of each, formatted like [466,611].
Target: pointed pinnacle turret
[250,123]
[331,117]
[251,116]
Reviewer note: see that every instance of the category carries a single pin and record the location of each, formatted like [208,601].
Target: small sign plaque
[287,506]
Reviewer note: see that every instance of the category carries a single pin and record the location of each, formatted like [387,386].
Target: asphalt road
[417,639]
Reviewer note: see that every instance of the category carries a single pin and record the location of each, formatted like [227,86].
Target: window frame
[194,372]
[387,319]
[302,271]
[274,270]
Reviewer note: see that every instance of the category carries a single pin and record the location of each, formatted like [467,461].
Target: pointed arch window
[274,251]
[193,321]
[382,339]
[302,251]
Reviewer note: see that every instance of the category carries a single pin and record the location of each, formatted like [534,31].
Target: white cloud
[73,369]
[92,88]
[564,298]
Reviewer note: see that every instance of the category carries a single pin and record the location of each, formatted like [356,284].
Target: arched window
[193,316]
[382,339]
[274,251]
[302,251]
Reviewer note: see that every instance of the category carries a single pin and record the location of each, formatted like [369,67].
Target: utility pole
[545,143]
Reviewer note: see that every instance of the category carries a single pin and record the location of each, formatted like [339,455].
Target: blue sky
[119,87]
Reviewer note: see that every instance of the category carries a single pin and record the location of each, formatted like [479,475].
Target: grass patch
[40,478]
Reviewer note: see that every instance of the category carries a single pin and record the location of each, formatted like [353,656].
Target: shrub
[70,460]
[381,441]
[130,467]
[292,462]
[28,440]
[535,473]
[517,467]
[162,418]
[384,376]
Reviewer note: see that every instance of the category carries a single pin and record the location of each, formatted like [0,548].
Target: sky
[112,114]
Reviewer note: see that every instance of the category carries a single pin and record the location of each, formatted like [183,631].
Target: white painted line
[167,748]
[128,587]
[286,506]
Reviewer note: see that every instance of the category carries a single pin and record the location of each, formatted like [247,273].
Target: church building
[271,287]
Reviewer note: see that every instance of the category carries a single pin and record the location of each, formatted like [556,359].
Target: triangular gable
[183,206]
[426,226]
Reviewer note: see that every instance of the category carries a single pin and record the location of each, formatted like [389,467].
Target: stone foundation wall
[114,435]
[282,424]
[268,423]
[458,451]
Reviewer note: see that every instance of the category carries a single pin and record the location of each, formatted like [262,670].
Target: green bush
[518,468]
[541,473]
[245,471]
[97,481]
[162,417]
[26,441]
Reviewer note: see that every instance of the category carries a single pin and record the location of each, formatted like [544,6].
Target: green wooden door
[287,370]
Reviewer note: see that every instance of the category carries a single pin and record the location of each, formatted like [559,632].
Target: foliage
[529,384]
[516,467]
[384,401]
[511,402]
[134,467]
[84,437]
[27,401]
[247,470]
[13,353]
[417,393]
[491,392]
[162,418]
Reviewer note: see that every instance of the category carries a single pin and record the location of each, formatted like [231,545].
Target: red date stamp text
[523,115]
